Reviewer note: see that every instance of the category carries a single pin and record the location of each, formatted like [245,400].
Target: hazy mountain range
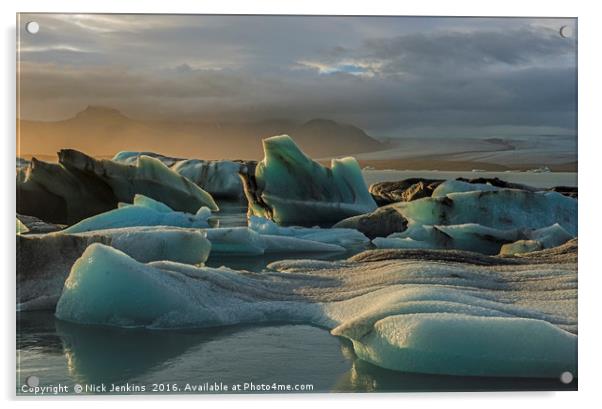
[102,131]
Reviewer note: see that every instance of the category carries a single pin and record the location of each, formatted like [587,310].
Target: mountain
[102,131]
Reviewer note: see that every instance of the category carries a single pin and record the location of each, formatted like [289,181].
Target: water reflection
[57,351]
[365,377]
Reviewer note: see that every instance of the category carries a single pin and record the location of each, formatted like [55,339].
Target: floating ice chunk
[501,209]
[147,175]
[106,286]
[220,178]
[44,260]
[290,188]
[475,237]
[500,317]
[348,238]
[245,241]
[80,186]
[483,218]
[470,236]
[535,240]
[456,186]
[458,344]
[551,236]
[159,243]
[146,212]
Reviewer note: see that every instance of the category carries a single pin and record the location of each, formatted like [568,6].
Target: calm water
[62,353]
[67,354]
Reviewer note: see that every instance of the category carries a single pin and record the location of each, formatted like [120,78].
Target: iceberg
[44,260]
[148,176]
[472,216]
[143,212]
[348,238]
[466,345]
[80,186]
[290,188]
[402,309]
[52,193]
[218,177]
[503,208]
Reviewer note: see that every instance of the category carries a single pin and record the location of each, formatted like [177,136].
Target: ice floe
[143,212]
[402,310]
[44,260]
[348,238]
[245,241]
[290,188]
[472,216]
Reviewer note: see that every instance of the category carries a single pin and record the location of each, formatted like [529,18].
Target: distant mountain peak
[100,112]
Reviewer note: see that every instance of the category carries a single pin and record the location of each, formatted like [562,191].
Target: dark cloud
[392,76]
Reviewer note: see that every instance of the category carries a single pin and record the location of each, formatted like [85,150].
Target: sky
[392,76]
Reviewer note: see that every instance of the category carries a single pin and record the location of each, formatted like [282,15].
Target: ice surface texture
[143,212]
[476,217]
[290,188]
[80,186]
[451,312]
[44,260]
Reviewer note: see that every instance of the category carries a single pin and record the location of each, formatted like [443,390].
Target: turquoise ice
[290,188]
[483,218]
[143,212]
[500,318]
[348,238]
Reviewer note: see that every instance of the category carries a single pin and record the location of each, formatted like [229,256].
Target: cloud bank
[402,76]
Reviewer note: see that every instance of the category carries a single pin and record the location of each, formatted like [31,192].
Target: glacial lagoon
[58,352]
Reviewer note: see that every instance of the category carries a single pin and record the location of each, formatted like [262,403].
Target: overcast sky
[393,76]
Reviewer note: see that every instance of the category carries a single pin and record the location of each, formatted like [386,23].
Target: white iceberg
[143,212]
[477,315]
[290,188]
